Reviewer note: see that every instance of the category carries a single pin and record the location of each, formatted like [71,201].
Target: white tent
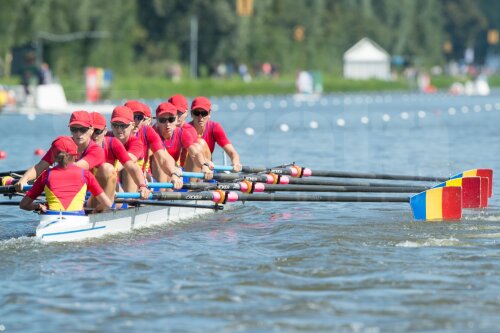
[367,60]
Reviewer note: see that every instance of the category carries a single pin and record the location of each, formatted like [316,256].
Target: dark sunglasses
[121,126]
[169,119]
[82,130]
[200,113]
[98,131]
[139,117]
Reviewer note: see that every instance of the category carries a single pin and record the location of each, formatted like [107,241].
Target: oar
[443,203]
[8,173]
[296,171]
[132,202]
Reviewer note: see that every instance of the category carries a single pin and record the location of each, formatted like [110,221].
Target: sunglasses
[120,126]
[98,131]
[200,113]
[82,130]
[139,117]
[169,119]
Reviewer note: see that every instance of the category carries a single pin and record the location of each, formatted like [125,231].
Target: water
[278,267]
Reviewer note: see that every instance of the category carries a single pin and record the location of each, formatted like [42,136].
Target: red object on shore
[39,152]
[3,155]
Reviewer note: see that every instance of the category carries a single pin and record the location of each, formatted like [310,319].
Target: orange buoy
[39,152]
[3,155]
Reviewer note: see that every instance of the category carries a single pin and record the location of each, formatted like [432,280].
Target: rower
[90,154]
[114,151]
[66,184]
[176,139]
[185,129]
[211,131]
[153,146]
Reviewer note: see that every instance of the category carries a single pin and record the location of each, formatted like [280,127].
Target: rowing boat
[68,227]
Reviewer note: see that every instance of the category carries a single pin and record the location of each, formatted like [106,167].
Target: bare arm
[167,164]
[234,156]
[31,174]
[28,204]
[104,202]
[136,173]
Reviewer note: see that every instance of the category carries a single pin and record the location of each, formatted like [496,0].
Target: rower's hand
[177,181]
[20,184]
[237,167]
[145,193]
[209,174]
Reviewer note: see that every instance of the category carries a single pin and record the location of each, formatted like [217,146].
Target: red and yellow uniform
[114,150]
[65,189]
[214,133]
[93,155]
[151,141]
[182,138]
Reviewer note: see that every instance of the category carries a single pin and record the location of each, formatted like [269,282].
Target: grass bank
[124,87]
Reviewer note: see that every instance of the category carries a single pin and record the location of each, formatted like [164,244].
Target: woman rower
[66,184]
[122,124]
[153,146]
[175,139]
[90,155]
[114,151]
[211,131]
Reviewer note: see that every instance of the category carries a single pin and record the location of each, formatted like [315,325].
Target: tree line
[145,37]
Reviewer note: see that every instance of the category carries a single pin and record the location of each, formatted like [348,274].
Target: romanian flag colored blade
[472,192]
[440,203]
[488,173]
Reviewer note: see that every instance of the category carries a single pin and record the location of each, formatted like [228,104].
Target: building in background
[367,60]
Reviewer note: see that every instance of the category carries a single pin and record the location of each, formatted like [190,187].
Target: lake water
[279,267]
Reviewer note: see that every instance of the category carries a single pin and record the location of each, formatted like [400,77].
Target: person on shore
[153,147]
[210,131]
[114,152]
[90,155]
[66,184]
[176,139]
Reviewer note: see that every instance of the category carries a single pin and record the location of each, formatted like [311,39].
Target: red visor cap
[98,120]
[122,114]
[201,102]
[180,102]
[65,144]
[81,118]
[166,108]
[137,106]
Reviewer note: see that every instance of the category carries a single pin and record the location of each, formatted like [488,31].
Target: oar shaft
[368,175]
[233,196]
[298,197]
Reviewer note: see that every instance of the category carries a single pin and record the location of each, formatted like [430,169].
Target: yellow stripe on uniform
[434,203]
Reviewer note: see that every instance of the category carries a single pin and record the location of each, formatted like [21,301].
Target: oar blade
[488,173]
[471,190]
[441,203]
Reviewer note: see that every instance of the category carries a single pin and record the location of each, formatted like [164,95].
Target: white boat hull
[68,228]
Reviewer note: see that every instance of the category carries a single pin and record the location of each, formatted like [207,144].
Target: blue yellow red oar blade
[441,203]
[488,173]
[472,191]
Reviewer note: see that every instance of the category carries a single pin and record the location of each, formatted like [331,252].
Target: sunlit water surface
[282,267]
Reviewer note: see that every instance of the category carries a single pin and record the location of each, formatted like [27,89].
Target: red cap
[65,144]
[122,114]
[164,108]
[180,102]
[98,120]
[137,106]
[201,102]
[81,118]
